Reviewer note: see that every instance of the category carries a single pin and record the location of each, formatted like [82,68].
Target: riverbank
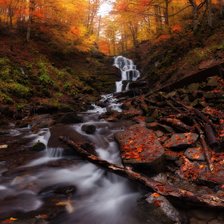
[37,78]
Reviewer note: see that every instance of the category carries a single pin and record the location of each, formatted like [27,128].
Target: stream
[93,195]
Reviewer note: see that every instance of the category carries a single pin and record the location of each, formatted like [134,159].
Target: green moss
[20,106]
[59,94]
[4,61]
[4,98]
[67,86]
[46,80]
[18,90]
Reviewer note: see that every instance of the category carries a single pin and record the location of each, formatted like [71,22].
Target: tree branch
[210,200]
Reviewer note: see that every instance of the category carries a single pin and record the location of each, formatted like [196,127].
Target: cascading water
[129,72]
[100,197]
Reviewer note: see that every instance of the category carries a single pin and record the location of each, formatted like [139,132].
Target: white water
[100,197]
[129,72]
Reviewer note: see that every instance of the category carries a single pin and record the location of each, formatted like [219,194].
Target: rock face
[139,145]
[180,141]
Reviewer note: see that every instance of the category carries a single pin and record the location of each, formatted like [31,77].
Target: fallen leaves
[68,205]
[10,220]
[3,146]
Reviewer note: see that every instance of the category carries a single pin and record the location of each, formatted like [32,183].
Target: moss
[46,80]
[4,98]
[20,106]
[59,94]
[4,61]
[18,90]
[67,86]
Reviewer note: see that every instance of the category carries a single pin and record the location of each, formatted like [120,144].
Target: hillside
[170,57]
[40,76]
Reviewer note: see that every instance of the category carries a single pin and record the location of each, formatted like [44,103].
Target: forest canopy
[79,24]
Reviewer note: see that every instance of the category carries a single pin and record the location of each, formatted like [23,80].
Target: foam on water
[129,72]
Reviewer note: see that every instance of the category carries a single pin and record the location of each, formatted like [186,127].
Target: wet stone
[202,215]
[181,141]
[139,145]
[213,81]
[215,221]
[2,132]
[195,154]
[70,118]
[193,87]
[165,208]
[38,147]
[89,129]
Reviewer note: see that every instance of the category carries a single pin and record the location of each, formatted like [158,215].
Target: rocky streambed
[173,139]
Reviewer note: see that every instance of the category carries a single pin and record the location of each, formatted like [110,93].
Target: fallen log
[209,200]
[204,146]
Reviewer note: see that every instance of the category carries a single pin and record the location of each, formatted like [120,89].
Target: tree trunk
[166,15]
[10,14]
[195,19]
[221,8]
[164,189]
[31,6]
[209,7]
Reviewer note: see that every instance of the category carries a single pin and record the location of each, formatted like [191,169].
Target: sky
[105,9]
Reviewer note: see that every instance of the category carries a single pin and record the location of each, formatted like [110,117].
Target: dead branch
[210,200]
[204,146]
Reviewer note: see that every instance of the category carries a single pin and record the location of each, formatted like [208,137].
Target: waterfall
[129,72]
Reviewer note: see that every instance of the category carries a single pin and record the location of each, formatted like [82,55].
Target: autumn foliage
[77,24]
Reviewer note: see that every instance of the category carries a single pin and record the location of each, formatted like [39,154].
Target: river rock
[2,132]
[140,146]
[213,81]
[164,208]
[70,118]
[195,154]
[89,129]
[37,122]
[38,147]
[69,132]
[181,141]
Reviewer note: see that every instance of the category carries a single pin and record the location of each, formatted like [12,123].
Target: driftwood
[210,200]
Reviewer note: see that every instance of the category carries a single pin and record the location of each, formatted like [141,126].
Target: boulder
[89,129]
[195,154]
[71,133]
[70,118]
[37,122]
[140,146]
[213,81]
[164,209]
[38,147]
[181,141]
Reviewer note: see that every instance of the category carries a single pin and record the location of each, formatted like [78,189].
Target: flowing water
[99,197]
[129,72]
